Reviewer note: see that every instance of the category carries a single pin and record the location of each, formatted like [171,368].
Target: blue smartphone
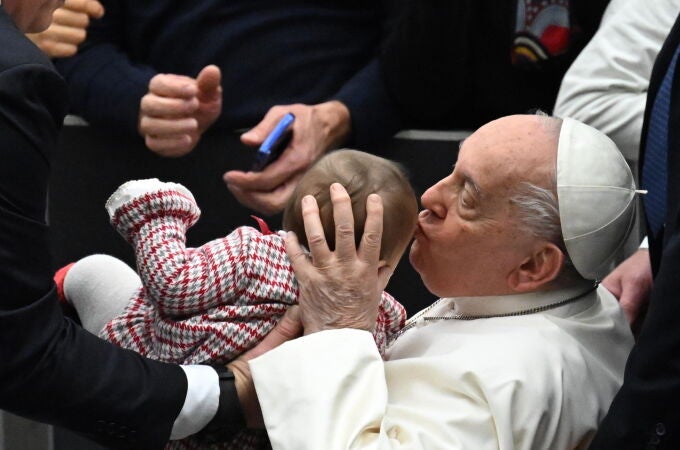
[275,143]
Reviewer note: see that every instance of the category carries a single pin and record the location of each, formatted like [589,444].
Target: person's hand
[288,328]
[340,288]
[631,282]
[317,128]
[178,109]
[68,28]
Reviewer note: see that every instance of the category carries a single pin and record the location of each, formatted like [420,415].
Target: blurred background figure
[607,85]
[460,64]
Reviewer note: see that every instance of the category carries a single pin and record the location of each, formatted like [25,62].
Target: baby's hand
[131,190]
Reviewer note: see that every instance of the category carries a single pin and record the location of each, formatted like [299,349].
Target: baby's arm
[153,217]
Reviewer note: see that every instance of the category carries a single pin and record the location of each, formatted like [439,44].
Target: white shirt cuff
[201,402]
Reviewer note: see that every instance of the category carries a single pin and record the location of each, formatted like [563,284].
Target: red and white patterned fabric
[206,304]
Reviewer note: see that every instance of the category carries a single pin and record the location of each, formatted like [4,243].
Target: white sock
[99,287]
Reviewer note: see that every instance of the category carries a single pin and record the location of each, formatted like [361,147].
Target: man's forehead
[481,165]
[512,147]
[505,135]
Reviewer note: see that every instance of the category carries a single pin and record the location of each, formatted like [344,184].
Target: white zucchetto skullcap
[596,196]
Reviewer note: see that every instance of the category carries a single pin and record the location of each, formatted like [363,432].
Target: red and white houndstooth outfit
[211,303]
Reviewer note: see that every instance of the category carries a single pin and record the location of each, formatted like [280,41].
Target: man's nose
[427,197]
[431,204]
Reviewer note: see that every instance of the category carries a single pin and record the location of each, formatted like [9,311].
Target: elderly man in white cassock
[524,350]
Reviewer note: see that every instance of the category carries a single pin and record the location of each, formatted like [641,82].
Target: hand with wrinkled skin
[340,288]
[631,282]
[68,28]
[178,109]
[317,129]
[288,328]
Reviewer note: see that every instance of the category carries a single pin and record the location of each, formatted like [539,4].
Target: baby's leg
[99,287]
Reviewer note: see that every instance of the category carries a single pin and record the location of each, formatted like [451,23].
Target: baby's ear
[385,271]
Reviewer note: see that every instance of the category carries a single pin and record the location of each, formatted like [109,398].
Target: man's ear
[537,270]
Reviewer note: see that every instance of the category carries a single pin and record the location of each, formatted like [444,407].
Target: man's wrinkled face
[467,241]
[32,16]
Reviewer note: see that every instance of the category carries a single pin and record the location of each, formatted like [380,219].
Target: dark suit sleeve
[52,370]
[105,86]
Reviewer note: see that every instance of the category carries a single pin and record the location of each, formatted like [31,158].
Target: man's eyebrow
[475,187]
[471,182]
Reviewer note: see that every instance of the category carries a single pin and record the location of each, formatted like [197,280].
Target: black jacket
[51,370]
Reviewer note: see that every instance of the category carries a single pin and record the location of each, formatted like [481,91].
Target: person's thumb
[288,328]
[256,135]
[208,82]
[94,9]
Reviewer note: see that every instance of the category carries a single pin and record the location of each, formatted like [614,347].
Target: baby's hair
[361,174]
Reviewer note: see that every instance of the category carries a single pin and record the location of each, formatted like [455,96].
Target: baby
[212,303]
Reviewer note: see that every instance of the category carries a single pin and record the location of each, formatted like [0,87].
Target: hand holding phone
[274,143]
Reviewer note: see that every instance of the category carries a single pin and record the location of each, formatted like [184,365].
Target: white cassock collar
[466,308]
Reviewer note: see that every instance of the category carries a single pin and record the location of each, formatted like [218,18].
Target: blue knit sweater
[270,52]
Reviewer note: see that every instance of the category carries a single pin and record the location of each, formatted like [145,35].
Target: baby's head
[361,174]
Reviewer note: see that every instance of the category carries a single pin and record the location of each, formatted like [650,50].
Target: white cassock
[535,381]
